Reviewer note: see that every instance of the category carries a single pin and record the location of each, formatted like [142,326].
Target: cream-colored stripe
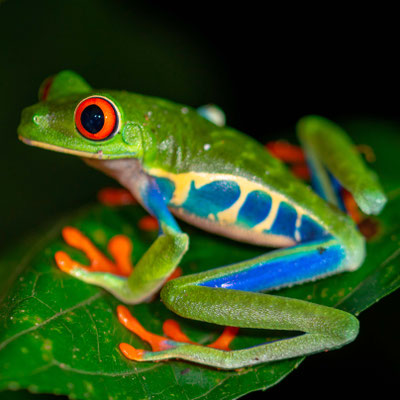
[268,222]
[52,147]
[183,182]
[230,215]
[297,235]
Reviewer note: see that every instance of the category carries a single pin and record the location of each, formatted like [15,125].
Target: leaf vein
[35,327]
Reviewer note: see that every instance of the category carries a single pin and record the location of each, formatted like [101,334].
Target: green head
[71,117]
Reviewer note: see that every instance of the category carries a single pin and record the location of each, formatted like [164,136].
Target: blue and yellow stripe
[236,201]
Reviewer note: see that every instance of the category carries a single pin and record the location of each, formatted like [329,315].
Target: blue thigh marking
[286,268]
[211,198]
[310,230]
[316,180]
[255,209]
[337,187]
[321,182]
[285,221]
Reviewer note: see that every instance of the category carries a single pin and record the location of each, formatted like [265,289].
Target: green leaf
[59,335]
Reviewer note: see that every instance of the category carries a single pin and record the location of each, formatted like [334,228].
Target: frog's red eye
[96,118]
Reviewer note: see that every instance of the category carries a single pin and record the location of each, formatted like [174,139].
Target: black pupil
[92,118]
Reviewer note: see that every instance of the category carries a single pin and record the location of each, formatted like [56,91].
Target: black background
[266,65]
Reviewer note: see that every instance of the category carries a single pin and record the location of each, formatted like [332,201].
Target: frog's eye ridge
[96,118]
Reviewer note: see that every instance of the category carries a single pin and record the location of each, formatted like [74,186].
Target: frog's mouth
[59,149]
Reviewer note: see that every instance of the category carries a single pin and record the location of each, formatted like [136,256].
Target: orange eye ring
[96,118]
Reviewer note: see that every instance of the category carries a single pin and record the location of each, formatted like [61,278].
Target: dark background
[265,66]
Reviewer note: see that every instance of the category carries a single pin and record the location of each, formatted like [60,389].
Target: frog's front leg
[226,296]
[131,285]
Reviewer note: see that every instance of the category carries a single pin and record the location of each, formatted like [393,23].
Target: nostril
[39,120]
[33,118]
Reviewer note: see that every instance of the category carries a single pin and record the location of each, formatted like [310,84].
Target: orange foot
[290,154]
[173,336]
[120,247]
[294,156]
[116,197]
[172,329]
[286,152]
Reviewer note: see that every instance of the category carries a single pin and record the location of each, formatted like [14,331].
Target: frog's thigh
[226,299]
[326,329]
[277,268]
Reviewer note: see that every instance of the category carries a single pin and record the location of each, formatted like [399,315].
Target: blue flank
[211,198]
[284,270]
[255,209]
[217,196]
[285,221]
[167,188]
[310,230]
[153,200]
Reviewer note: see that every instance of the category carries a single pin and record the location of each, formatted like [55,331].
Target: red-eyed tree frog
[185,163]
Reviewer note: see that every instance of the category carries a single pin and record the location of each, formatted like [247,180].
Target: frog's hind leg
[325,328]
[174,337]
[335,164]
[226,296]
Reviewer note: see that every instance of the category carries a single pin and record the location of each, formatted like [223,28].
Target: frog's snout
[31,121]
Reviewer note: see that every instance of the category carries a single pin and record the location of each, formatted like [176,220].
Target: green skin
[169,137]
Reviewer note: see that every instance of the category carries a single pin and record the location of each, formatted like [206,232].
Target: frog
[184,163]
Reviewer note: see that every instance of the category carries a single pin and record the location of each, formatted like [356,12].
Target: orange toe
[301,171]
[73,236]
[351,206]
[285,151]
[120,247]
[224,341]
[130,352]
[64,261]
[156,342]
[175,274]
[172,329]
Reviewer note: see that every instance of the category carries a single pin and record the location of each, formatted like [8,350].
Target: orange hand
[120,247]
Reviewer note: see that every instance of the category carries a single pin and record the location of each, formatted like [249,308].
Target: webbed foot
[294,156]
[163,346]
[103,272]
[120,247]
